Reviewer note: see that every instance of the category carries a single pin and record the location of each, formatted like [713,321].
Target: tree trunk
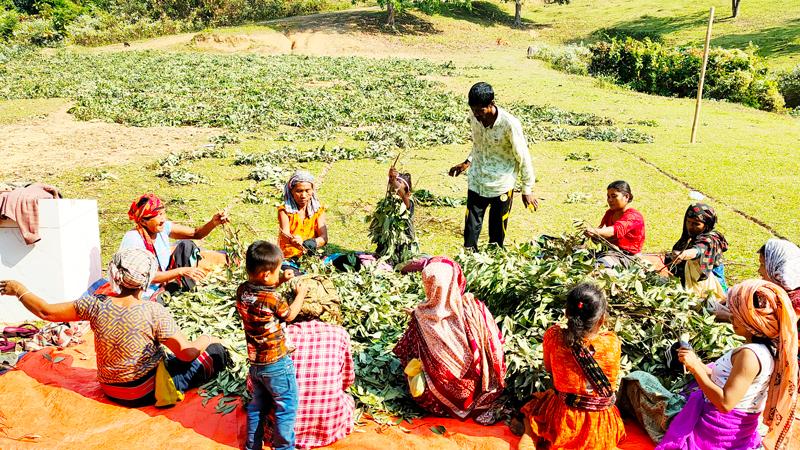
[390,13]
[518,13]
[735,7]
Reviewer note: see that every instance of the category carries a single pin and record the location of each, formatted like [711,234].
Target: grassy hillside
[744,160]
[773,26]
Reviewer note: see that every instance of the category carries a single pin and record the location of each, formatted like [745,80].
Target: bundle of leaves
[525,288]
[180,176]
[289,154]
[255,196]
[174,159]
[391,229]
[425,197]
[272,175]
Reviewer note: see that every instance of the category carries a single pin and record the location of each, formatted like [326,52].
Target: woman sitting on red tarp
[129,333]
[584,359]
[452,349]
[177,269]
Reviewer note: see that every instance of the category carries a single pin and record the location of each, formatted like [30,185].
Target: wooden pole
[702,77]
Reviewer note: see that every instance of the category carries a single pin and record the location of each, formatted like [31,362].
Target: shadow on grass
[771,42]
[363,21]
[486,14]
[647,26]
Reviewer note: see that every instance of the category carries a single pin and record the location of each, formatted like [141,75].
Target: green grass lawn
[745,159]
[14,110]
[773,26]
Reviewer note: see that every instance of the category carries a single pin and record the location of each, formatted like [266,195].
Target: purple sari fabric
[701,426]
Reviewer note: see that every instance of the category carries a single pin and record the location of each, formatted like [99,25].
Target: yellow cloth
[166,392]
[710,285]
[416,377]
[305,228]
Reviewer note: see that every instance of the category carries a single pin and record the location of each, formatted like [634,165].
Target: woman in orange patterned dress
[579,412]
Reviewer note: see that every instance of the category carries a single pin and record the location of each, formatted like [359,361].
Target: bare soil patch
[40,147]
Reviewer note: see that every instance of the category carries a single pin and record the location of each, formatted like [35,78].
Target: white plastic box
[61,265]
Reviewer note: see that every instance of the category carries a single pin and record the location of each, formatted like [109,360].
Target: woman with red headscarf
[153,233]
[452,349]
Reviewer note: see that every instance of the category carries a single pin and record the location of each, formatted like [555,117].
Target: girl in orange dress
[579,412]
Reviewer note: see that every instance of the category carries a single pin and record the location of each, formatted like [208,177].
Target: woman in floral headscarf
[757,377]
[153,233]
[129,332]
[301,219]
[452,348]
[697,256]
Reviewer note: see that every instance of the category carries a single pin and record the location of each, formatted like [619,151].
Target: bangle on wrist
[19,297]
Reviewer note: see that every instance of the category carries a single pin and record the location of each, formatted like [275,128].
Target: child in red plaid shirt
[271,369]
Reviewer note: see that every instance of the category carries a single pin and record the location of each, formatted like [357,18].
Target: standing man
[499,154]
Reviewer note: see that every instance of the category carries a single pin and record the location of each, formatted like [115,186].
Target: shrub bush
[647,66]
[789,87]
[9,20]
[38,32]
[220,12]
[570,58]
[60,12]
[104,28]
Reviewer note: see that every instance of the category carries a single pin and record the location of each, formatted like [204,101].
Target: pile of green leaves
[425,197]
[272,175]
[387,103]
[373,308]
[169,167]
[212,310]
[526,287]
[180,176]
[391,229]
[290,154]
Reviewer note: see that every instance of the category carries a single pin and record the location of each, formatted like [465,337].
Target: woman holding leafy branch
[622,226]
[584,360]
[392,225]
[696,257]
[132,368]
[177,269]
[757,380]
[452,350]
[301,219]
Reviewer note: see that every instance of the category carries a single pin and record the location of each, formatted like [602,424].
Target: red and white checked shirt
[324,368]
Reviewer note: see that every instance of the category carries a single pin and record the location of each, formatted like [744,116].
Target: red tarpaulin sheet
[61,403]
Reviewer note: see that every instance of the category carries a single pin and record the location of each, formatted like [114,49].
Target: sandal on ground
[25,330]
[6,345]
